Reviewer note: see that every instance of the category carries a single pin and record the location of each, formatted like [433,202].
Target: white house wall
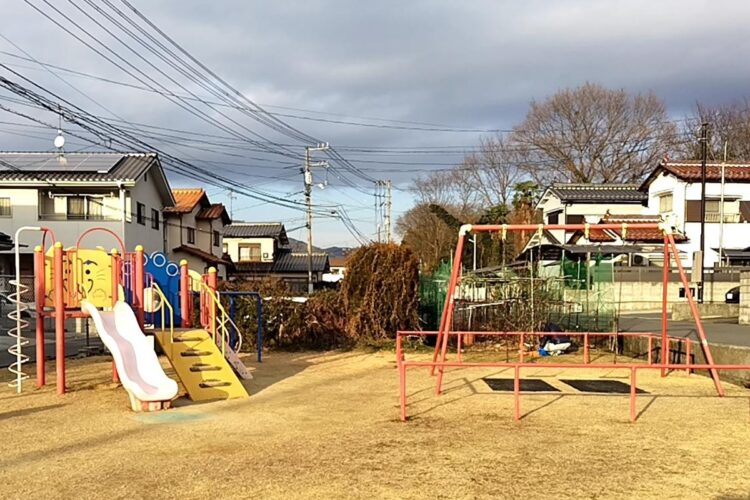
[266,247]
[735,235]
[152,240]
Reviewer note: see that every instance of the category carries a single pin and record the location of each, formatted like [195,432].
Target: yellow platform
[202,369]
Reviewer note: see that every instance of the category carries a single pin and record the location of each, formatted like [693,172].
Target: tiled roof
[186,199]
[337,261]
[598,193]
[286,262]
[215,211]
[102,169]
[631,235]
[690,171]
[257,230]
[74,167]
[197,252]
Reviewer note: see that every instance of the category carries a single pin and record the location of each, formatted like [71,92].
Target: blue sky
[395,67]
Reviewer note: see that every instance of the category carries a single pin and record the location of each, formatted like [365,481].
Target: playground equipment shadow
[325,425]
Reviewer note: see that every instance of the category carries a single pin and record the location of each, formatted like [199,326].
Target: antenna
[59,141]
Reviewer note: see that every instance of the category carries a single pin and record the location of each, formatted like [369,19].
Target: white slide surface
[138,366]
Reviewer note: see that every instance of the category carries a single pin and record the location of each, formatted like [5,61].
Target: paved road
[73,345]
[718,331]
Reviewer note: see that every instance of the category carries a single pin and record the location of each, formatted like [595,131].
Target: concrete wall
[683,312]
[744,314]
[722,354]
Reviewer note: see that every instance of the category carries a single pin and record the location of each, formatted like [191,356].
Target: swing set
[440,361]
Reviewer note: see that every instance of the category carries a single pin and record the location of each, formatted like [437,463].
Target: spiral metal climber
[16,350]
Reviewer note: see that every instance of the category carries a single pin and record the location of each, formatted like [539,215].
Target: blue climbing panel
[166,275]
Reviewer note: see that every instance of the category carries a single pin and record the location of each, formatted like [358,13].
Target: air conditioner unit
[639,260]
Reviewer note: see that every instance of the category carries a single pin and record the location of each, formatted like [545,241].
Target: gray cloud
[467,64]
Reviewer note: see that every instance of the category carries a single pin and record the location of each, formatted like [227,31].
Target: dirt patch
[325,425]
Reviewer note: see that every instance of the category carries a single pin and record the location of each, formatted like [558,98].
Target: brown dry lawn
[324,425]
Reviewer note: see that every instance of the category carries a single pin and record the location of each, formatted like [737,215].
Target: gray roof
[105,169]
[257,230]
[286,261]
[290,262]
[598,193]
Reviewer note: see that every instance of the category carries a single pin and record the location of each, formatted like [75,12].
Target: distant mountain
[301,246]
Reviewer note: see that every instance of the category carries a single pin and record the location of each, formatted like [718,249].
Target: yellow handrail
[164,302]
[221,324]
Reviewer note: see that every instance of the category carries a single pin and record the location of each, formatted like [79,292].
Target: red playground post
[184,294]
[39,300]
[58,273]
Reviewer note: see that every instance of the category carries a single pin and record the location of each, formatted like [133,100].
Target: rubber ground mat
[527,385]
[602,386]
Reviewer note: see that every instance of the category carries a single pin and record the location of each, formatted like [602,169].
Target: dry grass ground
[324,425]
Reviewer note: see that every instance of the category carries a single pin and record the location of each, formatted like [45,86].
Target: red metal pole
[212,283]
[517,393]
[586,358]
[139,283]
[116,263]
[448,312]
[664,298]
[59,303]
[448,304]
[39,292]
[632,394]
[402,389]
[184,294]
[696,315]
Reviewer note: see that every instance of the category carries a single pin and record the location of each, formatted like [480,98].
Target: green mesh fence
[432,291]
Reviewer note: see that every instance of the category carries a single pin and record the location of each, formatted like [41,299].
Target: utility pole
[231,197]
[721,208]
[704,154]
[307,174]
[388,204]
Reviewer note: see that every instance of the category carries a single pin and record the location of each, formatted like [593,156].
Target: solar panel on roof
[54,162]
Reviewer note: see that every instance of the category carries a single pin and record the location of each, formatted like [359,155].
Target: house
[635,247]
[261,249]
[338,269]
[582,203]
[674,193]
[70,193]
[196,229]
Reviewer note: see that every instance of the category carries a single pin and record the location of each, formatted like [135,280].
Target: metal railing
[220,320]
[163,306]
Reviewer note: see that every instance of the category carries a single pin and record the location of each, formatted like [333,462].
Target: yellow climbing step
[202,369]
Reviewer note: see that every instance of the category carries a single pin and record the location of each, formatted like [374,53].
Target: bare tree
[728,124]
[593,134]
[490,173]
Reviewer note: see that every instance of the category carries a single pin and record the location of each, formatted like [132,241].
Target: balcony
[72,217]
[714,217]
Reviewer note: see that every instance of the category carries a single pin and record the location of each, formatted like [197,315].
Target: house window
[665,203]
[76,207]
[140,213]
[94,208]
[5,208]
[154,218]
[217,239]
[191,235]
[250,252]
[553,218]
